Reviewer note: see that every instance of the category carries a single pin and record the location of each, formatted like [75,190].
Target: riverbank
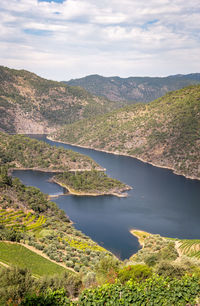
[140,235]
[155,242]
[125,154]
[72,191]
[10,170]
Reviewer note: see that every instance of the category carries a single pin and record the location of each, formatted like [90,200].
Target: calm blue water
[160,202]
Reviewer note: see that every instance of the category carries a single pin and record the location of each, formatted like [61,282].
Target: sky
[65,39]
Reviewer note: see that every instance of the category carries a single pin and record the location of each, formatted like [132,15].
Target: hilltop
[165,132]
[31,104]
[134,89]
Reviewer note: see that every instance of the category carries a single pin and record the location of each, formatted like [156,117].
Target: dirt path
[177,244]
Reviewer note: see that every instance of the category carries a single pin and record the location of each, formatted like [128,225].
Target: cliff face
[20,122]
[30,104]
[138,89]
[165,132]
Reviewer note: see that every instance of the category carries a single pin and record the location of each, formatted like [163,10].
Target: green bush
[49,298]
[89,279]
[134,272]
[169,252]
[152,259]
[171,269]
[14,284]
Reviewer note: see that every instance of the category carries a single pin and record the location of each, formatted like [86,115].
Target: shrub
[134,272]
[152,259]
[70,263]
[166,268]
[169,252]
[89,279]
[14,284]
[77,267]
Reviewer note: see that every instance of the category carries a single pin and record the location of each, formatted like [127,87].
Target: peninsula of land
[90,183]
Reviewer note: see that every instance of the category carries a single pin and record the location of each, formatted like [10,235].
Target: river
[160,202]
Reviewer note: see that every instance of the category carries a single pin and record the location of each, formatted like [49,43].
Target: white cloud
[79,37]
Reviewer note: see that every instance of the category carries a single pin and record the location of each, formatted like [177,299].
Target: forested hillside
[90,183]
[134,89]
[31,104]
[165,132]
[23,152]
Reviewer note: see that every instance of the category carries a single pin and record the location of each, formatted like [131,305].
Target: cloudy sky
[72,38]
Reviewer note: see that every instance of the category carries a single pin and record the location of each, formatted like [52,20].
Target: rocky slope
[31,104]
[138,89]
[165,132]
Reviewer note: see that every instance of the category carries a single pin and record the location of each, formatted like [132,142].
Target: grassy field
[17,255]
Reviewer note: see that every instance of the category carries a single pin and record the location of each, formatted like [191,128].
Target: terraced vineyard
[190,247]
[27,215]
[21,220]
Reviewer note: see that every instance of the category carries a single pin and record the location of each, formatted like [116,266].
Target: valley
[164,133]
[81,247]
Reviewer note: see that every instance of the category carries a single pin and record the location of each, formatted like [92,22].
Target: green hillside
[23,152]
[31,104]
[138,89]
[28,216]
[165,132]
[17,255]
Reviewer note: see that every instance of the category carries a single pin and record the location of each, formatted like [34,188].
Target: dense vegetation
[20,151]
[31,104]
[165,132]
[138,89]
[154,291]
[90,182]
[18,287]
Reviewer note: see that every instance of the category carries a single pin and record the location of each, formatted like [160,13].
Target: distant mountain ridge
[31,104]
[134,89]
[165,132]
